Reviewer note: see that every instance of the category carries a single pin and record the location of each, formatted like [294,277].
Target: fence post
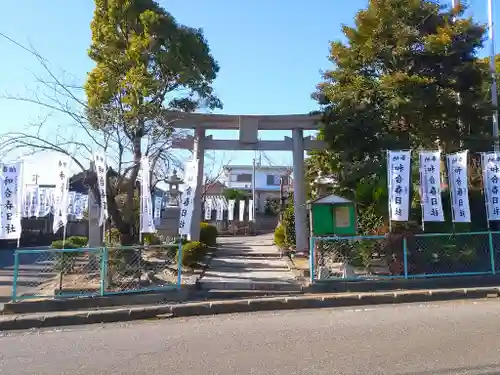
[16,275]
[492,252]
[312,256]
[405,256]
[104,269]
[179,265]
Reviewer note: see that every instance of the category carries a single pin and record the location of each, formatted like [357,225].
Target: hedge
[208,234]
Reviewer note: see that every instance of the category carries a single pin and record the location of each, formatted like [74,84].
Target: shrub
[151,239]
[78,241]
[279,237]
[208,234]
[192,253]
[59,244]
[64,261]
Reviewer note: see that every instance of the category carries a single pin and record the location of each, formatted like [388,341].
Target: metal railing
[396,256]
[85,272]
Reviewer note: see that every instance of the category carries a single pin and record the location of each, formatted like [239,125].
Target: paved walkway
[248,262]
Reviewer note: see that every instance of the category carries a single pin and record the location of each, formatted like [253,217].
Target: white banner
[250,210]
[219,214]
[491,182]
[242,211]
[157,212]
[208,209]
[430,186]
[187,202]
[459,188]
[11,201]
[398,179]
[61,195]
[146,220]
[230,208]
[101,169]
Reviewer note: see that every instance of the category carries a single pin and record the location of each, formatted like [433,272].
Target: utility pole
[455,3]
[494,97]
[253,188]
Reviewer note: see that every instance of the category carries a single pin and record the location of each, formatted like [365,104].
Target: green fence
[397,256]
[85,272]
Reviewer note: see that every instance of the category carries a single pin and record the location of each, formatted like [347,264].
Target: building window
[274,180]
[246,177]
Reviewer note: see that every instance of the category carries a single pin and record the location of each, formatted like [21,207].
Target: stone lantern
[173,196]
[322,183]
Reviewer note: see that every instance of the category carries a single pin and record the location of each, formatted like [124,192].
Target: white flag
[220,210]
[101,170]
[157,212]
[491,182]
[208,209]
[242,211]
[230,208]
[430,186]
[459,188]
[250,210]
[146,217]
[12,195]
[187,201]
[398,180]
[61,195]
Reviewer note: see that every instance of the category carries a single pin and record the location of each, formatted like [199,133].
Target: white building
[267,181]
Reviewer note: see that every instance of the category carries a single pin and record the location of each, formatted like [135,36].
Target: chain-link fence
[56,272]
[368,257]
[48,273]
[139,268]
[397,256]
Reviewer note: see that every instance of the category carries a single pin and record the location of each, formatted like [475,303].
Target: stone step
[237,294]
[278,285]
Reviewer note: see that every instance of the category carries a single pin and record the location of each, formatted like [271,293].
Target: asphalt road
[445,338]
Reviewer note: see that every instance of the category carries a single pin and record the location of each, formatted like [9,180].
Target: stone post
[299,193]
[198,154]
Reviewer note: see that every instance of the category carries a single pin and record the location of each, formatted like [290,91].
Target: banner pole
[389,185]
[450,174]
[485,191]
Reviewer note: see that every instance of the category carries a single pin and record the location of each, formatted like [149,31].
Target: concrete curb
[20,322]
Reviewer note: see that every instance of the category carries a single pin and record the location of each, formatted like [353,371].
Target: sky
[271,55]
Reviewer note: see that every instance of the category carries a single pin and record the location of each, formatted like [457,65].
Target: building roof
[331,199]
[262,167]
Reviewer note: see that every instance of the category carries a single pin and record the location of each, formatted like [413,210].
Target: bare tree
[214,171]
[79,138]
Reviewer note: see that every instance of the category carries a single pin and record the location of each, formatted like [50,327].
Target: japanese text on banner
[187,201]
[208,209]
[491,176]
[11,201]
[100,166]
[219,213]
[398,182]
[61,196]
[458,181]
[146,218]
[430,186]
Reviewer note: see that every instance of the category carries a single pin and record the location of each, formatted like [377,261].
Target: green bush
[59,244]
[192,253]
[279,237]
[151,239]
[289,224]
[78,241]
[208,234]
[65,261]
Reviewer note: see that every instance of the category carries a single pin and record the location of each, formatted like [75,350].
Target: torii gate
[248,126]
